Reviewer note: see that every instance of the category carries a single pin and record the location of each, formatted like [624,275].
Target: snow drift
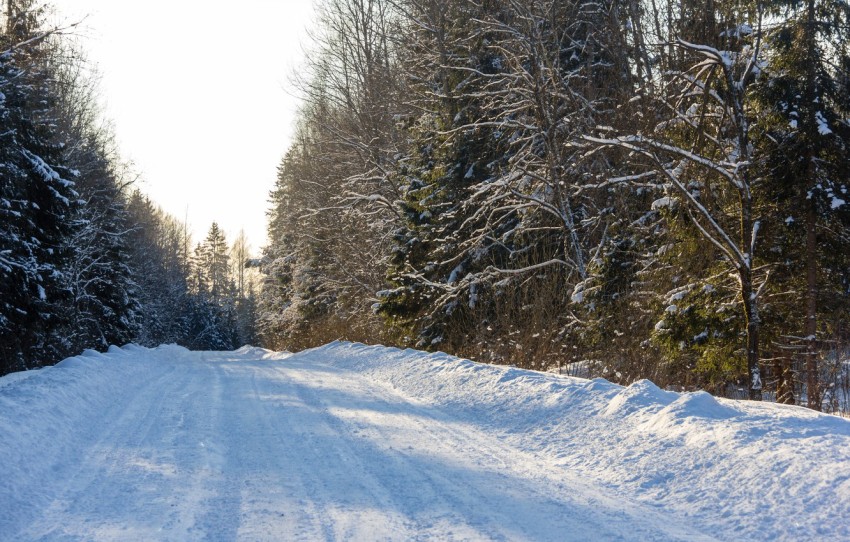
[742,470]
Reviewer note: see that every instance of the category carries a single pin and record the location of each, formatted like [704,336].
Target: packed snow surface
[350,442]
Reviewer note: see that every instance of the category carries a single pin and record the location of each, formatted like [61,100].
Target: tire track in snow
[453,481]
[429,501]
[357,505]
[319,468]
[114,455]
[259,488]
[150,469]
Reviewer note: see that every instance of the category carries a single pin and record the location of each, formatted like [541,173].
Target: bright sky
[200,95]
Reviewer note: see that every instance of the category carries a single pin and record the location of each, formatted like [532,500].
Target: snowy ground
[348,442]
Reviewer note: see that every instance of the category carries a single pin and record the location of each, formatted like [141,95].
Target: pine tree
[214,266]
[211,318]
[276,295]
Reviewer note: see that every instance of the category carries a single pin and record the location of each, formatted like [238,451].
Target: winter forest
[603,188]
[87,260]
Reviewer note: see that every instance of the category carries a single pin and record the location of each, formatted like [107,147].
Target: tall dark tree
[36,196]
[102,305]
[806,101]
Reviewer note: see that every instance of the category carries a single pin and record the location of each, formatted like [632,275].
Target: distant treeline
[623,188]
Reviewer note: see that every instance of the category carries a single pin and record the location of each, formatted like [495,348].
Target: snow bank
[59,403]
[741,470]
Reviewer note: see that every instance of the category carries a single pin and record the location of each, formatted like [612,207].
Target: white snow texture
[351,442]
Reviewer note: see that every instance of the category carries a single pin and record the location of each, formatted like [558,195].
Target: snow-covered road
[221,446]
[168,444]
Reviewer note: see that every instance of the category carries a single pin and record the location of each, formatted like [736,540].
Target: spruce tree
[432,262]
[36,196]
[805,136]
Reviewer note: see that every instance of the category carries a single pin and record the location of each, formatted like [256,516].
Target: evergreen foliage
[37,196]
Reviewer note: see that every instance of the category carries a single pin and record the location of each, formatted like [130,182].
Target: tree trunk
[753,324]
[785,381]
[810,326]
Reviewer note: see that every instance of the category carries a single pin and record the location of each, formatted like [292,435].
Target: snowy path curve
[227,446]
